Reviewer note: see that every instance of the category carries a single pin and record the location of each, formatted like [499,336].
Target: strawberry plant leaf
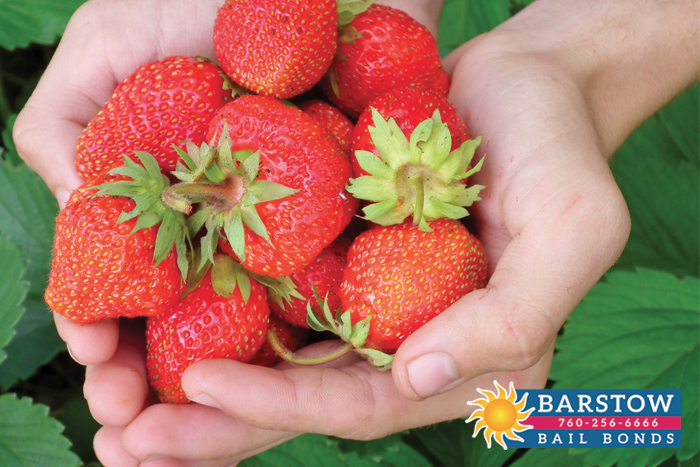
[12,292]
[665,231]
[29,436]
[34,21]
[8,151]
[681,120]
[550,457]
[27,213]
[638,308]
[461,21]
[323,451]
[80,427]
[452,443]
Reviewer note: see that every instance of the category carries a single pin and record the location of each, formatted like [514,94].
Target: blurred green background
[638,328]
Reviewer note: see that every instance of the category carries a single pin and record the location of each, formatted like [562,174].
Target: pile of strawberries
[221,199]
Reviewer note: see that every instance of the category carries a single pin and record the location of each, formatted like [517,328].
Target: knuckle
[528,339]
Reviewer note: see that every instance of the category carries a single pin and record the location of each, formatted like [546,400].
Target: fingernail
[62,194]
[432,373]
[155,458]
[205,399]
[72,355]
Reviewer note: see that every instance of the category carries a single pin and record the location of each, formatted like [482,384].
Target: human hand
[551,110]
[535,224]
[105,41]
[200,433]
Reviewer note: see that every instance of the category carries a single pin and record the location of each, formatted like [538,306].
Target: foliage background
[638,328]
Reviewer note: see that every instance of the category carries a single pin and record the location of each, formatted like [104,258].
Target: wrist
[628,59]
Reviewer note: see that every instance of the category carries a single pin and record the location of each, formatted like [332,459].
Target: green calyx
[227,275]
[224,187]
[280,290]
[421,177]
[339,323]
[349,9]
[145,186]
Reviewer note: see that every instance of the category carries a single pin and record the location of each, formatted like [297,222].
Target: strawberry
[332,119]
[424,159]
[204,324]
[398,278]
[322,277]
[381,49]
[408,106]
[279,48]
[340,127]
[274,193]
[287,335]
[114,256]
[160,104]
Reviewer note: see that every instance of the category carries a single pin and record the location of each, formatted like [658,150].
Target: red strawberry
[340,127]
[381,49]
[106,262]
[400,277]
[332,119]
[279,48]
[287,335]
[408,107]
[278,207]
[203,325]
[322,276]
[160,104]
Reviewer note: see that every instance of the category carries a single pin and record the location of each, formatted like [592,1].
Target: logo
[567,418]
[500,415]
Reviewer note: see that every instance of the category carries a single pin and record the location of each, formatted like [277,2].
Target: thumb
[511,324]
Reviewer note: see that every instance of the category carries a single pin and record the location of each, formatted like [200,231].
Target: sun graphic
[500,415]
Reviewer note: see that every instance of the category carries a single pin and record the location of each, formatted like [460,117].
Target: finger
[90,343]
[104,42]
[195,433]
[117,390]
[109,451]
[47,128]
[354,401]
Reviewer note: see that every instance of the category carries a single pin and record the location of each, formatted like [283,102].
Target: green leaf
[36,342]
[34,21]
[559,456]
[30,437]
[461,21]
[681,120]
[325,451]
[27,214]
[12,293]
[80,426]
[9,154]
[636,330]
[452,443]
[658,173]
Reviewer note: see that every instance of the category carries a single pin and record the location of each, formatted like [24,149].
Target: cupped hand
[552,221]
[104,42]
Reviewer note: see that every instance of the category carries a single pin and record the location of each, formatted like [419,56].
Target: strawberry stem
[418,184]
[289,356]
